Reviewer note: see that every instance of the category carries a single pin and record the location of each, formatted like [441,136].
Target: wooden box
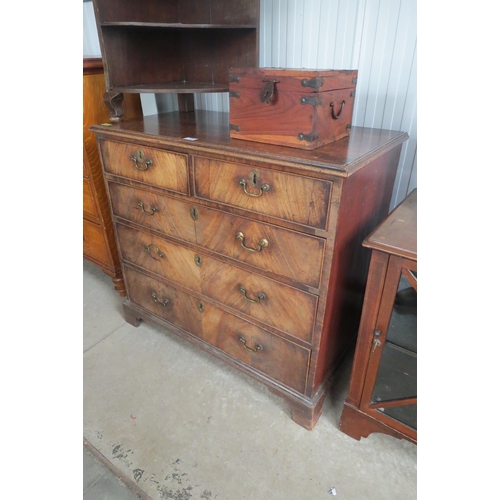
[298,108]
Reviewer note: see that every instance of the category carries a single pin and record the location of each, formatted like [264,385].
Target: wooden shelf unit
[174,46]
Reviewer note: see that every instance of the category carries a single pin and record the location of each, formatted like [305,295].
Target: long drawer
[269,354]
[283,307]
[283,252]
[149,165]
[299,199]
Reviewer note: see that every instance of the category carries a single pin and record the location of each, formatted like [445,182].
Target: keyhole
[254,178]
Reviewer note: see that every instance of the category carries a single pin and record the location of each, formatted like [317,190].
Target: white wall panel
[376,37]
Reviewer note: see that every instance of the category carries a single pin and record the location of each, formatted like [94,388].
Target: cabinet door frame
[395,268]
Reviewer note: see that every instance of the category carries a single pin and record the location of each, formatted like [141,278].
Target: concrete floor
[173,423]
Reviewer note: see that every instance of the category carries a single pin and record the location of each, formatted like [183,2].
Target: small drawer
[95,243]
[262,351]
[171,217]
[149,165]
[172,305]
[89,205]
[293,198]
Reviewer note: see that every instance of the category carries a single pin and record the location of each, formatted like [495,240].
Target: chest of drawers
[250,251]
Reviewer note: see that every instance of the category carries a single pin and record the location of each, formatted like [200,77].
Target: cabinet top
[397,234]
[210,131]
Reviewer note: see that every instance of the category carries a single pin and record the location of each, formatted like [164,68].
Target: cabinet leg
[302,413]
[357,425]
[113,101]
[119,283]
[306,415]
[130,316]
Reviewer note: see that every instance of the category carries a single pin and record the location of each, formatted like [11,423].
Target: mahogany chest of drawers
[250,251]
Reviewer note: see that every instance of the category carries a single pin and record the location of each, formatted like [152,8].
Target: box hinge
[234,78]
[308,137]
[355,80]
[234,127]
[233,93]
[313,101]
[315,83]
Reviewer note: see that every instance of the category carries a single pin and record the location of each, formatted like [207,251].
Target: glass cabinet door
[391,389]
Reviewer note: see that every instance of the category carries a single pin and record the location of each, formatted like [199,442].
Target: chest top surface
[208,131]
[397,234]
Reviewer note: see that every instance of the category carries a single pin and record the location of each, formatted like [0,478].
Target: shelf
[174,88]
[180,25]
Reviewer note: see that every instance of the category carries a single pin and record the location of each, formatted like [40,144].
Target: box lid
[295,80]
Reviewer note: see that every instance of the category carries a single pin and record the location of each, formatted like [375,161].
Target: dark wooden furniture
[299,108]
[383,391]
[99,245]
[250,251]
[174,46]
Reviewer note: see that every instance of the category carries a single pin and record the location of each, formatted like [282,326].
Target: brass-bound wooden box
[298,108]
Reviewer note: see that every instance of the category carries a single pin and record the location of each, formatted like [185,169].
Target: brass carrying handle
[262,243]
[260,296]
[258,347]
[154,247]
[139,158]
[336,117]
[161,303]
[153,209]
[265,187]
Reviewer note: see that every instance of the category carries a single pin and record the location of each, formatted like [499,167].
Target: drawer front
[290,197]
[171,217]
[286,253]
[89,206]
[152,166]
[281,306]
[172,305]
[159,256]
[94,243]
[277,358]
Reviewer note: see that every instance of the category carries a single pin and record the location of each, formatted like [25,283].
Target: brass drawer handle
[155,248]
[153,209]
[159,302]
[336,117]
[258,347]
[265,187]
[262,243]
[260,296]
[139,157]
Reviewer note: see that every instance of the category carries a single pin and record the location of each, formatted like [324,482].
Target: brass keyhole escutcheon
[198,260]
[201,307]
[194,213]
